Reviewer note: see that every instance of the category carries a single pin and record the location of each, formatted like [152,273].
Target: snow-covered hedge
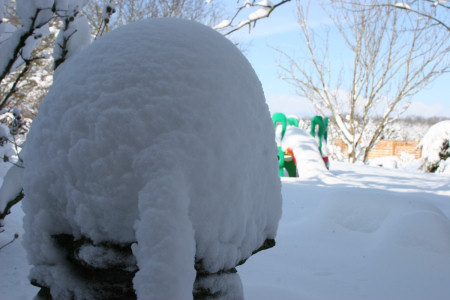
[156,136]
[436,148]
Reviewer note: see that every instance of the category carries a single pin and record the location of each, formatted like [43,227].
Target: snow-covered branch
[20,43]
[415,9]
[263,10]
[17,43]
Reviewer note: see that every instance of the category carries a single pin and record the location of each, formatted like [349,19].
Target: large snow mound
[157,134]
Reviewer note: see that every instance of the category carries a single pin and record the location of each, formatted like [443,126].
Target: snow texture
[157,134]
[432,143]
[364,233]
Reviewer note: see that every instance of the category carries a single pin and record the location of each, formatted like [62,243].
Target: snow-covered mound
[365,233]
[435,148]
[307,155]
[157,134]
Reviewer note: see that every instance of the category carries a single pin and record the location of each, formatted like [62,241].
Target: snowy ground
[361,233]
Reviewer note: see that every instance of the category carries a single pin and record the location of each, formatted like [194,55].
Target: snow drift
[156,135]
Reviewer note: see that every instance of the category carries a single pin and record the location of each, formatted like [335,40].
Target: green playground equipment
[293,121]
[321,134]
[285,159]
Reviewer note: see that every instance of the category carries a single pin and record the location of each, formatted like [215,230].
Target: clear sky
[281,31]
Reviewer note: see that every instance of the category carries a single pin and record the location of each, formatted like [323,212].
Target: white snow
[259,14]
[264,3]
[363,233]
[157,134]
[78,37]
[306,153]
[402,5]
[27,9]
[10,186]
[222,24]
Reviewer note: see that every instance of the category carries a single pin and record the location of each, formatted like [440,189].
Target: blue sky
[281,31]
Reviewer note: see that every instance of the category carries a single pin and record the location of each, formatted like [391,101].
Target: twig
[13,89]
[16,236]
[10,204]
[248,21]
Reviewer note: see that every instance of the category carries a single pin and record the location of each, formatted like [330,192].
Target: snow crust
[157,134]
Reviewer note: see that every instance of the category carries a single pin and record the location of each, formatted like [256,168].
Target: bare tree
[393,56]
[128,11]
[435,10]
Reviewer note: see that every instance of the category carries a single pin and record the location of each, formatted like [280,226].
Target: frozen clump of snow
[386,161]
[436,149]
[155,136]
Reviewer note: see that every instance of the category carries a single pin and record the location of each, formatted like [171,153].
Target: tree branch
[265,12]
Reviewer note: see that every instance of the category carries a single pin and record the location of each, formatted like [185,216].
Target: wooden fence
[388,148]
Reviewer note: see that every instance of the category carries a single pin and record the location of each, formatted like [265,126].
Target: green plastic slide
[280,122]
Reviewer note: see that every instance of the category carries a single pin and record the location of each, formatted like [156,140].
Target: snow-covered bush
[436,149]
[163,167]
[13,130]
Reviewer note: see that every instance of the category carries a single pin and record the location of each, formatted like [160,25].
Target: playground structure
[293,120]
[287,160]
[319,130]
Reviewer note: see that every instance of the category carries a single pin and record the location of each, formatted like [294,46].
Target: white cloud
[301,107]
[422,109]
[290,105]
